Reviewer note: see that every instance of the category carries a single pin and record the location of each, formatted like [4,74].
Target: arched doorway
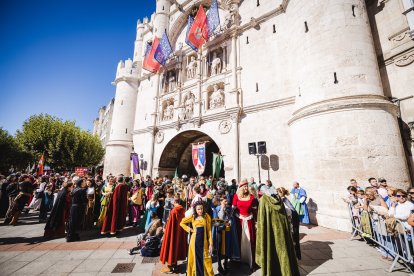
[177,154]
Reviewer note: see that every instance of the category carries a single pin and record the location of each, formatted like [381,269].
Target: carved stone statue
[189,106]
[192,68]
[217,97]
[169,111]
[232,16]
[171,82]
[216,66]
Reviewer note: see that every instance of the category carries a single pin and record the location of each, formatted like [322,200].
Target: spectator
[354,183]
[373,182]
[401,208]
[382,188]
[410,193]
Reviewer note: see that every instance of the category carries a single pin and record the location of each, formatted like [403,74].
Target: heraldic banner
[199,157]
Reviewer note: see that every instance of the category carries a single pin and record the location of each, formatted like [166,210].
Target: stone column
[153,129]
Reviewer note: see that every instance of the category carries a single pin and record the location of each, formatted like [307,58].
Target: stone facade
[313,79]
[102,124]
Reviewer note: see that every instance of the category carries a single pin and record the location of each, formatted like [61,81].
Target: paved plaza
[23,251]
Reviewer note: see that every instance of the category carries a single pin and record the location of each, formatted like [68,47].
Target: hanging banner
[217,163]
[199,157]
[135,163]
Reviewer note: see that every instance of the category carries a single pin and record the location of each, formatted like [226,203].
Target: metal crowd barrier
[396,243]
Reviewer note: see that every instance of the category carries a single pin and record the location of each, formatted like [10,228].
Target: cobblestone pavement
[23,251]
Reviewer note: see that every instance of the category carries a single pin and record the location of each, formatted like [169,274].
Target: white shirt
[402,211]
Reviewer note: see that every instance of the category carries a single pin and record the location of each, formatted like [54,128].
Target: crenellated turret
[162,17]
[119,146]
[139,42]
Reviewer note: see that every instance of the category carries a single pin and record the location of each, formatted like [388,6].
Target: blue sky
[60,56]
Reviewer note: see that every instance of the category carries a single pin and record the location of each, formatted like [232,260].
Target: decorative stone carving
[169,83]
[404,60]
[189,106]
[216,66]
[159,137]
[168,110]
[225,126]
[231,18]
[216,97]
[192,68]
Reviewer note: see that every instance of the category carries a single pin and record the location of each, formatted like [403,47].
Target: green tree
[11,154]
[64,145]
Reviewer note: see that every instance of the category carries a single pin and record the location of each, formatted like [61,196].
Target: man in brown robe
[117,209]
[174,244]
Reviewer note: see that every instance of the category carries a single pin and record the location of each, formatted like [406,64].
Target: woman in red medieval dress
[245,205]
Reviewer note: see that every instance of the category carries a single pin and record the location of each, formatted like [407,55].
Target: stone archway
[177,153]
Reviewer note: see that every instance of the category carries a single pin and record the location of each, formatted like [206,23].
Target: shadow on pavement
[314,254]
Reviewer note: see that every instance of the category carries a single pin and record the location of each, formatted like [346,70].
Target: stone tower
[342,126]
[120,146]
[162,17]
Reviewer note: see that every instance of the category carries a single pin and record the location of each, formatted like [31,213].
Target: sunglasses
[411,193]
[401,196]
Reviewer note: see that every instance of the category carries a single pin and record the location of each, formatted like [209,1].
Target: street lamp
[258,150]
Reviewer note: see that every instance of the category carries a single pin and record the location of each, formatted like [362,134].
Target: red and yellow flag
[40,165]
[198,33]
[150,63]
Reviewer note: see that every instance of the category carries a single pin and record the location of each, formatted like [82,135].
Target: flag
[148,48]
[135,163]
[189,24]
[199,30]
[199,157]
[176,172]
[164,50]
[40,165]
[217,163]
[150,63]
[213,19]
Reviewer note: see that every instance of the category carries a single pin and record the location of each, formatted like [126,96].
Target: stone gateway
[320,82]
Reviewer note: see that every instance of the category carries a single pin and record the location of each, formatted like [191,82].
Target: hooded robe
[55,225]
[174,244]
[275,252]
[116,214]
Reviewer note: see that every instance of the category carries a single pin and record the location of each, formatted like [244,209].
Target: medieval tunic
[199,260]
[275,252]
[136,204]
[227,242]
[299,202]
[56,223]
[89,217]
[105,199]
[117,210]
[77,211]
[245,228]
[174,244]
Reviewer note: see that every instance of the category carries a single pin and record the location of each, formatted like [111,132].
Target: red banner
[81,171]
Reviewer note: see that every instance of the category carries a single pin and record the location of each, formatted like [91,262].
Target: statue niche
[216,62]
[216,98]
[191,67]
[169,83]
[187,109]
[168,110]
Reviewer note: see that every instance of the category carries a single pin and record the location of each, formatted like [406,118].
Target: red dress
[246,211]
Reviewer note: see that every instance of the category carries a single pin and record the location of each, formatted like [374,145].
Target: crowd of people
[196,219]
[386,202]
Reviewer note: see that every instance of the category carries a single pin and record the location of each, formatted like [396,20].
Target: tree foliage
[11,154]
[64,145]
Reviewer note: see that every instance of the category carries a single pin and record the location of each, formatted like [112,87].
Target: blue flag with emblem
[213,19]
[189,24]
[164,50]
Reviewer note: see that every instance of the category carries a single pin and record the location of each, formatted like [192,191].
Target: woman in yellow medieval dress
[107,191]
[201,242]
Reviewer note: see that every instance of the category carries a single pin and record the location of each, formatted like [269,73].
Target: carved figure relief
[231,18]
[216,66]
[189,106]
[169,81]
[168,110]
[192,68]
[216,97]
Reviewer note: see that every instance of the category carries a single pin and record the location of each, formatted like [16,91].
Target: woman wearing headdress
[201,242]
[245,206]
[107,191]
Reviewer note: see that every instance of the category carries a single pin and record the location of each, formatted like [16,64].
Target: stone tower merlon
[162,17]
[343,126]
[119,146]
[139,42]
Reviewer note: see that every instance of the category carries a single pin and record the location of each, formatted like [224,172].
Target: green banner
[217,163]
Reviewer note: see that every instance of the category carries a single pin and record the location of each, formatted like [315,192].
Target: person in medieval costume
[77,209]
[225,234]
[116,214]
[299,202]
[174,244]
[56,223]
[245,206]
[4,197]
[89,219]
[25,189]
[135,204]
[275,252]
[200,248]
[107,191]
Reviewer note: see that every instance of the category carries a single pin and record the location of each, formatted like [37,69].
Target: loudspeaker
[262,147]
[252,148]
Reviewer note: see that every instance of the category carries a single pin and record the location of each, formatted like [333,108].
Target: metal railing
[393,238]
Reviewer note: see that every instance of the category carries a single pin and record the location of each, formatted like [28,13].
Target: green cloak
[275,253]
